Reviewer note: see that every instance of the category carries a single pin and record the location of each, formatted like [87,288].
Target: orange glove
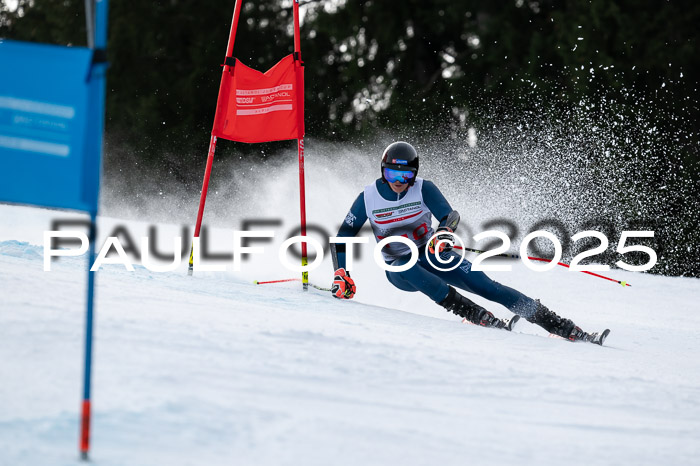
[343,286]
[446,235]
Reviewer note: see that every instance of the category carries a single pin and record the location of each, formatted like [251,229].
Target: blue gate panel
[50,125]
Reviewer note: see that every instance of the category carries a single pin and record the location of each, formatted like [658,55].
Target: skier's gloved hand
[343,286]
[445,235]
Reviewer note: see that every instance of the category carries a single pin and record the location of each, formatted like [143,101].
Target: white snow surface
[212,369]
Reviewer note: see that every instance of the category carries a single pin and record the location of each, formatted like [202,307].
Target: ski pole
[291,280]
[320,288]
[517,256]
[276,281]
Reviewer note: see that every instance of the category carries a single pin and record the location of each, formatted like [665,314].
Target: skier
[402,204]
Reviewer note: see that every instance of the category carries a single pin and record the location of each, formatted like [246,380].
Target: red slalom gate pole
[205,185]
[516,256]
[584,271]
[300,147]
[302,207]
[212,140]
[203,197]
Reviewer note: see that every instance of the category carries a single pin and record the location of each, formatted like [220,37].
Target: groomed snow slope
[212,369]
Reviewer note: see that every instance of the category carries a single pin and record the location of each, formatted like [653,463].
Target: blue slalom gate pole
[89,324]
[97,94]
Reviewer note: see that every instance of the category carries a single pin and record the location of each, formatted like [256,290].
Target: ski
[506,324]
[599,338]
[511,323]
[579,335]
[595,338]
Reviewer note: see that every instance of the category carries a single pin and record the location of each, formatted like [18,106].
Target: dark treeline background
[436,66]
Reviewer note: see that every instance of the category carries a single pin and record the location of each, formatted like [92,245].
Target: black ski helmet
[400,156]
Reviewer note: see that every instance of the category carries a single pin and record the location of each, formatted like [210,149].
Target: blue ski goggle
[402,176]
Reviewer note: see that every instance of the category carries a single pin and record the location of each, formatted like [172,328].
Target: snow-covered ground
[212,369]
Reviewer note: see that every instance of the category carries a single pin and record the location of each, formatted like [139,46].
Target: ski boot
[597,338]
[564,328]
[473,313]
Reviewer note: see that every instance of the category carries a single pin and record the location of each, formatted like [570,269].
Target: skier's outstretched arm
[343,286]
